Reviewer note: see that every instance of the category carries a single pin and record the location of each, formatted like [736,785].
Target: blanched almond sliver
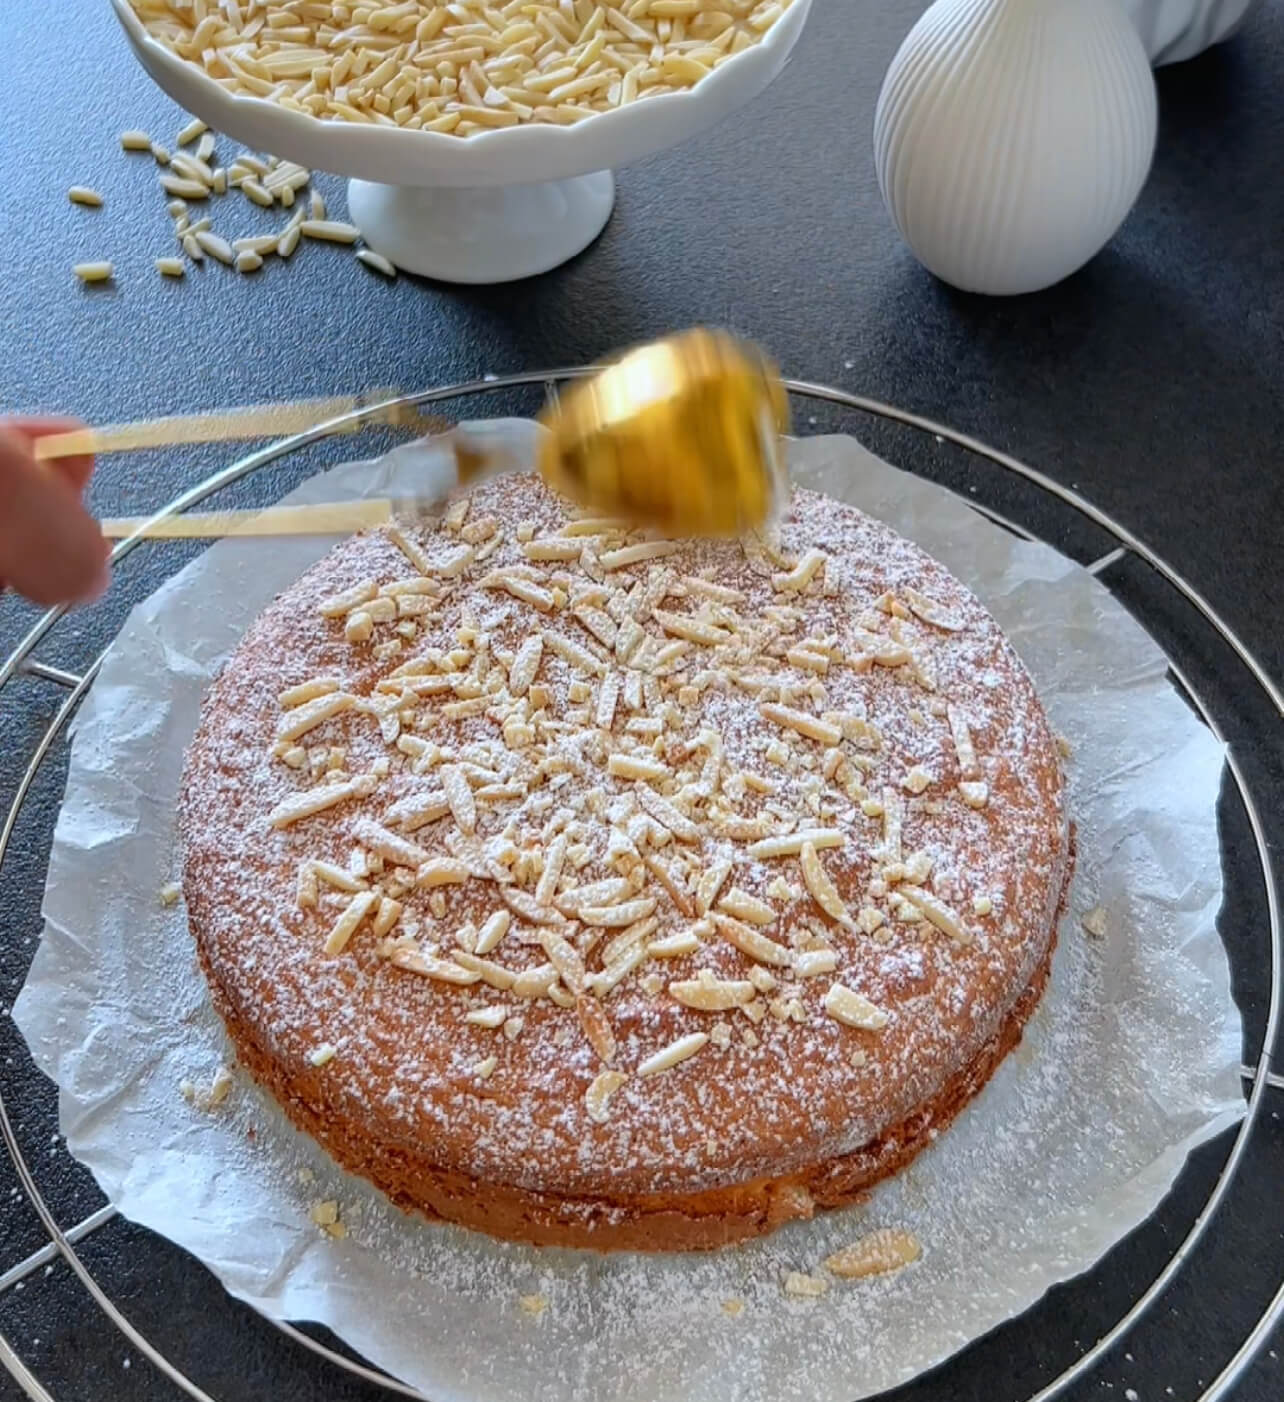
[565,959]
[386,917]
[337,876]
[876,647]
[597,1097]
[674,946]
[854,1009]
[628,638]
[876,1254]
[494,930]
[600,624]
[823,890]
[635,554]
[441,871]
[305,889]
[746,907]
[622,766]
[607,698]
[811,726]
[312,801]
[622,955]
[415,961]
[573,653]
[409,548]
[477,532]
[524,904]
[389,845]
[791,844]
[597,1027]
[750,942]
[525,665]
[548,549]
[595,525]
[414,585]
[975,793]
[417,809]
[671,1055]
[306,691]
[454,562]
[710,884]
[721,592]
[605,892]
[301,719]
[815,961]
[535,983]
[807,660]
[628,939]
[494,974]
[492,1017]
[341,604]
[710,994]
[554,858]
[523,589]
[802,573]
[805,1287]
[938,913]
[932,612]
[460,798]
[617,916]
[963,746]
[672,883]
[606,979]
[692,629]
[893,817]
[345,926]
[665,813]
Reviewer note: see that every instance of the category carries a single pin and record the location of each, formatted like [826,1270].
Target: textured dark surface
[1152,381]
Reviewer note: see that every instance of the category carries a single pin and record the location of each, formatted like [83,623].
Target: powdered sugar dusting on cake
[516,726]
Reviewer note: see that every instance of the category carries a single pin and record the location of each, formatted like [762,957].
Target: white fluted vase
[1175,30]
[1012,137]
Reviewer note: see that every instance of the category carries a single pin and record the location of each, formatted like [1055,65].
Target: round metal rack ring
[62,1242]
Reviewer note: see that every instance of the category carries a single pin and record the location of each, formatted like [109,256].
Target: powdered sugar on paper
[1067,1149]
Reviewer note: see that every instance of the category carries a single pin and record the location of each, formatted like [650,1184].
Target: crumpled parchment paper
[1131,1060]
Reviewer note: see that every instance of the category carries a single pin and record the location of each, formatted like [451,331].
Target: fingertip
[51,549]
[100,579]
[29,428]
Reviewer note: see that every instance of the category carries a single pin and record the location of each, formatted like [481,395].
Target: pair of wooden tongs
[259,421]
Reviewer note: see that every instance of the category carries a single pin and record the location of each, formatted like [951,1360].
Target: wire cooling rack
[1221,679]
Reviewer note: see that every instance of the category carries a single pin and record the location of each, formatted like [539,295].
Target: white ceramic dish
[480,209]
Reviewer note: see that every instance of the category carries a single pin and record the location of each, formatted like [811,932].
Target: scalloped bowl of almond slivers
[467,93]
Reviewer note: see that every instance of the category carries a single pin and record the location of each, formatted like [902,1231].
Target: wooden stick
[257,421]
[326,518]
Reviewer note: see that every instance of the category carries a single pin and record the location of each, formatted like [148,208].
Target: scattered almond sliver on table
[192,177]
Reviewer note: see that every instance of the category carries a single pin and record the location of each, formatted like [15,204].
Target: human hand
[51,549]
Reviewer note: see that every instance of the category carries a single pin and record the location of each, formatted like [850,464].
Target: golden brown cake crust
[942,899]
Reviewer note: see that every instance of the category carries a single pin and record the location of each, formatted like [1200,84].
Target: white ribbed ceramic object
[1013,136]
[1173,30]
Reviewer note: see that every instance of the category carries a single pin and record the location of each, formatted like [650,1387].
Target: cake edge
[662,1222]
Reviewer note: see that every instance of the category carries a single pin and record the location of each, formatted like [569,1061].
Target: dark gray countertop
[1153,381]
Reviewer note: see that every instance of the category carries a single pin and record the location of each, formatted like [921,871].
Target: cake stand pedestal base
[482,235]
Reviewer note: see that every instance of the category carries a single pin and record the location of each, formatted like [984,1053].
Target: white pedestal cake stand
[489,208]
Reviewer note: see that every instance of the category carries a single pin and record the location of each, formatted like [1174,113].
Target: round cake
[593,889]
